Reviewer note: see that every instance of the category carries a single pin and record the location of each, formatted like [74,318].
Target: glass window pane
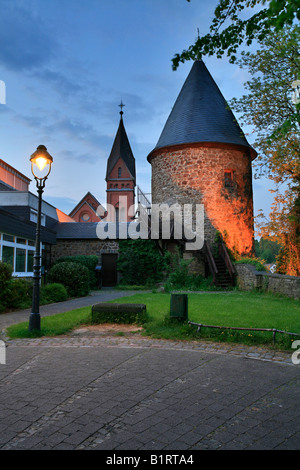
[31,243]
[8,238]
[30,261]
[20,260]
[8,255]
[22,241]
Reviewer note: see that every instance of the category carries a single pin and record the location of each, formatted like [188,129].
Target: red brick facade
[120,191]
[86,210]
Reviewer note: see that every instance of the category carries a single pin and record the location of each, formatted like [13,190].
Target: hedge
[74,276]
[89,261]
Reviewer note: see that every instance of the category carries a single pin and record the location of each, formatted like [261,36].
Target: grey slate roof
[201,114]
[6,187]
[83,230]
[76,230]
[121,148]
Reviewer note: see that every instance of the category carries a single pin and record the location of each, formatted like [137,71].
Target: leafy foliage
[268,108]
[5,279]
[53,293]
[267,249]
[14,292]
[236,31]
[74,276]
[141,263]
[90,261]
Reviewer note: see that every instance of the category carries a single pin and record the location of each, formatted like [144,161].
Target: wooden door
[109,269]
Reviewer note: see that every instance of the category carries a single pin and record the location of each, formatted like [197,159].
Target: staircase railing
[224,254]
[211,261]
[143,200]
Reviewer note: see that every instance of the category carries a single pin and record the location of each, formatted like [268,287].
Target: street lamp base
[34,321]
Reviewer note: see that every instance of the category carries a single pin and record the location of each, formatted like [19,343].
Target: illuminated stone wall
[216,175]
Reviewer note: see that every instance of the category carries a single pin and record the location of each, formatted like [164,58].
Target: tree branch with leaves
[269,110]
[223,37]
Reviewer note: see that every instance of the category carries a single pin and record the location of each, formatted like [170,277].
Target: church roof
[82,201]
[121,149]
[201,114]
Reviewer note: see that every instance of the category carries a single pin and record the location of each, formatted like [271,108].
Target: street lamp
[41,162]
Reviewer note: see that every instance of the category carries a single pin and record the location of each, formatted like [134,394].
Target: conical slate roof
[201,114]
[121,149]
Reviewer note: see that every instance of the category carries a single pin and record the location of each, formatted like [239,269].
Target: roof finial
[121,106]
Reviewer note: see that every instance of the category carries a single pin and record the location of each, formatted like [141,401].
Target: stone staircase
[223,278]
[220,265]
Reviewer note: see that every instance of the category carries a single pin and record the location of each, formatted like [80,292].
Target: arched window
[119,172]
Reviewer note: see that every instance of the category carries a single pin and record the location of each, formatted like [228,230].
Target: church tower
[203,157]
[120,177]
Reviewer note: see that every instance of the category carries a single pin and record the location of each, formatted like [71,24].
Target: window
[8,238]
[18,252]
[119,172]
[33,217]
[20,260]
[8,255]
[30,261]
[85,217]
[228,178]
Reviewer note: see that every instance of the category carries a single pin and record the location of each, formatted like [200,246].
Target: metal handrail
[274,330]
[224,253]
[211,260]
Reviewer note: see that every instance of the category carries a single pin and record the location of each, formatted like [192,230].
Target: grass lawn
[235,308]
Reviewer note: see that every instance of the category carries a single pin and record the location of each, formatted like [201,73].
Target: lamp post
[41,162]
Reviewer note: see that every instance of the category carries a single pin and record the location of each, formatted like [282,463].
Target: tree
[258,26]
[268,108]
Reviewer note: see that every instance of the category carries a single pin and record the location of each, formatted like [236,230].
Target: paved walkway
[103,295]
[90,390]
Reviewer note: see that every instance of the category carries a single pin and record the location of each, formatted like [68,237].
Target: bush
[141,263]
[53,293]
[74,276]
[89,261]
[180,278]
[5,280]
[19,293]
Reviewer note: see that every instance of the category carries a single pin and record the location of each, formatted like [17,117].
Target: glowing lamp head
[41,162]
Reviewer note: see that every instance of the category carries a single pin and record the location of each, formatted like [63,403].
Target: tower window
[119,172]
[228,178]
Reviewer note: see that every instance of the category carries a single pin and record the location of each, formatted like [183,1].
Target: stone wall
[249,279]
[83,247]
[195,174]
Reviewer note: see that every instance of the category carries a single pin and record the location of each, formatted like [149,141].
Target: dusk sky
[67,64]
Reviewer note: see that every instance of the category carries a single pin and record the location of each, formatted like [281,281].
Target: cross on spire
[121,106]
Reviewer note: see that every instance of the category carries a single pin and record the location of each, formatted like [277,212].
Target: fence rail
[274,330]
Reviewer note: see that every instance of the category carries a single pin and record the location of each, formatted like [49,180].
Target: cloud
[26,42]
[60,82]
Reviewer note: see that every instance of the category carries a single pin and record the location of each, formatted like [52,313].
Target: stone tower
[120,177]
[203,157]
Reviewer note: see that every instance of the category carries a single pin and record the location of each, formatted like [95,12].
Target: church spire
[121,106]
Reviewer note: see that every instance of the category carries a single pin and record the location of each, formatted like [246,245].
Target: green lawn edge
[233,308]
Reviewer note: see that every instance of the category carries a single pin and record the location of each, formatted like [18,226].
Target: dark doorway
[109,270]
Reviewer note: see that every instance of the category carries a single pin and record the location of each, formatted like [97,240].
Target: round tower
[203,157]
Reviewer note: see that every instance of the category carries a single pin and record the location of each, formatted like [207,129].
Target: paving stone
[122,393]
